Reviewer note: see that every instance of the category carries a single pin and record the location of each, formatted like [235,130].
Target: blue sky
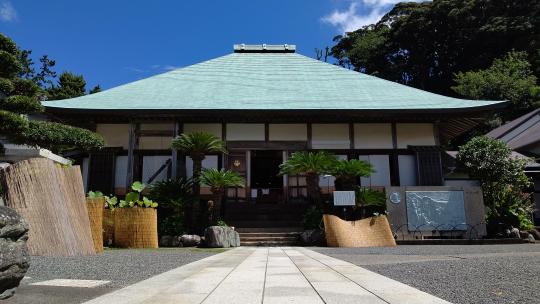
[118,41]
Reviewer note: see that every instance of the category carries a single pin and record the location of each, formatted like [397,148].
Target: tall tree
[69,86]
[510,78]
[18,98]
[425,44]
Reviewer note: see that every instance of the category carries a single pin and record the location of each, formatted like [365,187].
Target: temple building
[265,102]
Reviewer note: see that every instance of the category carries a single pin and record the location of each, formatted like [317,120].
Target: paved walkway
[268,275]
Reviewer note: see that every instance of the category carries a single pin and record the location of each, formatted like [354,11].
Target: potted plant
[218,181]
[95,202]
[135,220]
[371,227]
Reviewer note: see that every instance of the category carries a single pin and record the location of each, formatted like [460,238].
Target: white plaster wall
[209,162]
[407,170]
[416,134]
[330,136]
[120,172]
[115,135]
[381,165]
[373,136]
[152,143]
[287,132]
[245,131]
[151,164]
[213,128]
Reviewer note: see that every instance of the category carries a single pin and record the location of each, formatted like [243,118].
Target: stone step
[295,229]
[268,244]
[268,234]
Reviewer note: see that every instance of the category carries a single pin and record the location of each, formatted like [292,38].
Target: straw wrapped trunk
[135,228]
[369,232]
[95,216]
[108,226]
[51,199]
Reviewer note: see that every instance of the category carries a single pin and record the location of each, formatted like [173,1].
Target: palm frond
[353,168]
[308,162]
[221,179]
[198,143]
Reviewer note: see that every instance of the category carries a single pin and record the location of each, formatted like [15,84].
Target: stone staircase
[283,236]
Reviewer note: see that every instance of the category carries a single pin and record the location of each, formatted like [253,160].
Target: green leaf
[132,197]
[122,204]
[131,204]
[138,186]
[154,205]
[140,203]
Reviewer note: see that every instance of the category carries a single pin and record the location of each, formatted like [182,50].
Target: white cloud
[360,13]
[7,11]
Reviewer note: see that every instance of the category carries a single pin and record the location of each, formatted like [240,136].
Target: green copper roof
[264,81]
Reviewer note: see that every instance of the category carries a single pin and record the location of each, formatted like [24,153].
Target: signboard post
[344,199]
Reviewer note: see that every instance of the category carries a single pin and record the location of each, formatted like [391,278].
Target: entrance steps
[269,236]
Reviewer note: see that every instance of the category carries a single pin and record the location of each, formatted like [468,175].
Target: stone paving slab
[268,275]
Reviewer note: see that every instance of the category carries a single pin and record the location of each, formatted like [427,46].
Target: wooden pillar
[177,159]
[132,146]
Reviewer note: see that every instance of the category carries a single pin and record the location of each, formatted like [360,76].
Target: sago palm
[347,171]
[219,181]
[197,145]
[312,164]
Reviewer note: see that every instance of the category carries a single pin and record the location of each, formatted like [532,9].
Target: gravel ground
[460,274]
[120,266]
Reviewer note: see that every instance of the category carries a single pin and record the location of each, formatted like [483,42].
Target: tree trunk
[196,212]
[345,183]
[313,189]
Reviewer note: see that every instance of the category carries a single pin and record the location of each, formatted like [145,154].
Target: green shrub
[171,225]
[94,194]
[313,218]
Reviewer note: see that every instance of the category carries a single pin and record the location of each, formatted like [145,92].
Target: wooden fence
[51,199]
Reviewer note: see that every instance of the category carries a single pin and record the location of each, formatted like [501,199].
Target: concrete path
[268,275]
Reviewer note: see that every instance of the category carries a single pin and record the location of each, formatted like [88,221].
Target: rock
[313,237]
[535,233]
[221,237]
[514,233]
[176,242]
[14,261]
[524,235]
[190,240]
[165,241]
[530,238]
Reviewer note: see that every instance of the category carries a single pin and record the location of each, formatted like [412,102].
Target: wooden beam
[270,145]
[132,145]
[174,159]
[309,136]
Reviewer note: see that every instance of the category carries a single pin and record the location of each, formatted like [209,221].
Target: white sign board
[344,198]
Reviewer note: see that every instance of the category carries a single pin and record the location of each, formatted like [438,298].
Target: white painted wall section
[381,165]
[373,136]
[155,143]
[288,132]
[245,131]
[330,136]
[115,135]
[120,172]
[415,134]
[407,170]
[212,128]
[150,166]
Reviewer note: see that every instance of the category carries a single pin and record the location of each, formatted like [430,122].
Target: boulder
[14,261]
[190,240]
[165,241]
[530,238]
[535,233]
[514,233]
[221,237]
[176,242]
[313,237]
[524,235]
